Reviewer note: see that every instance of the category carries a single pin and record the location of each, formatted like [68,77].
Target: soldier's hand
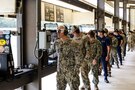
[94,62]
[107,58]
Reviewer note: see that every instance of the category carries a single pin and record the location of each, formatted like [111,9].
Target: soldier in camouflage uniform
[133,40]
[68,62]
[123,47]
[129,40]
[114,44]
[80,39]
[93,53]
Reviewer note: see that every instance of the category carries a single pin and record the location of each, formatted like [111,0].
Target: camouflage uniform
[93,51]
[129,40]
[114,57]
[81,41]
[123,45]
[133,41]
[68,64]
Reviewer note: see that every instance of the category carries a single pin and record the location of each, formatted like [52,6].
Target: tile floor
[122,79]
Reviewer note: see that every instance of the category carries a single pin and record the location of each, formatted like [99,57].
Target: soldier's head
[105,32]
[91,34]
[101,33]
[122,31]
[116,32]
[62,31]
[111,34]
[75,30]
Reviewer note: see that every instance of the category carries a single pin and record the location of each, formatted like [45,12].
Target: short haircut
[76,29]
[64,29]
[91,34]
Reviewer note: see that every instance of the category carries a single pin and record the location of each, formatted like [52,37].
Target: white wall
[83,18]
[108,21]
[68,16]
[7,6]
[42,11]
[109,25]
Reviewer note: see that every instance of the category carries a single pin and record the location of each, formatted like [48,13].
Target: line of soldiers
[83,53]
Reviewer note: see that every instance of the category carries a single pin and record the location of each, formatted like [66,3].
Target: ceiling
[131,3]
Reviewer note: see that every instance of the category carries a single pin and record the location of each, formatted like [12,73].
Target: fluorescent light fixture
[66,5]
[90,2]
[94,2]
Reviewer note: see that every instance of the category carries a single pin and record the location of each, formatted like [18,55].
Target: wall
[42,11]
[109,24]
[83,18]
[68,16]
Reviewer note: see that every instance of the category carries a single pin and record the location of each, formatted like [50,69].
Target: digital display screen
[7,6]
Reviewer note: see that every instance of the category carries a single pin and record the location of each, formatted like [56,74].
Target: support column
[116,14]
[100,14]
[124,15]
[31,25]
[129,24]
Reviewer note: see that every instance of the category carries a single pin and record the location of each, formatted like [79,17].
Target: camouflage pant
[123,50]
[130,46]
[109,67]
[85,69]
[114,57]
[70,77]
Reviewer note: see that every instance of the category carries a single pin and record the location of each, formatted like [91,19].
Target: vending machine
[6,57]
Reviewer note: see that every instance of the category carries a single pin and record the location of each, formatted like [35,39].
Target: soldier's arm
[85,40]
[99,51]
[78,56]
[115,43]
[121,42]
[108,50]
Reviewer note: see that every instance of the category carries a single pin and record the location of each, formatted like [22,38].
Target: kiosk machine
[6,57]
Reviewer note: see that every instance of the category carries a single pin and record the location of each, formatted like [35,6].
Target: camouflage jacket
[93,50]
[124,39]
[81,44]
[114,43]
[69,57]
